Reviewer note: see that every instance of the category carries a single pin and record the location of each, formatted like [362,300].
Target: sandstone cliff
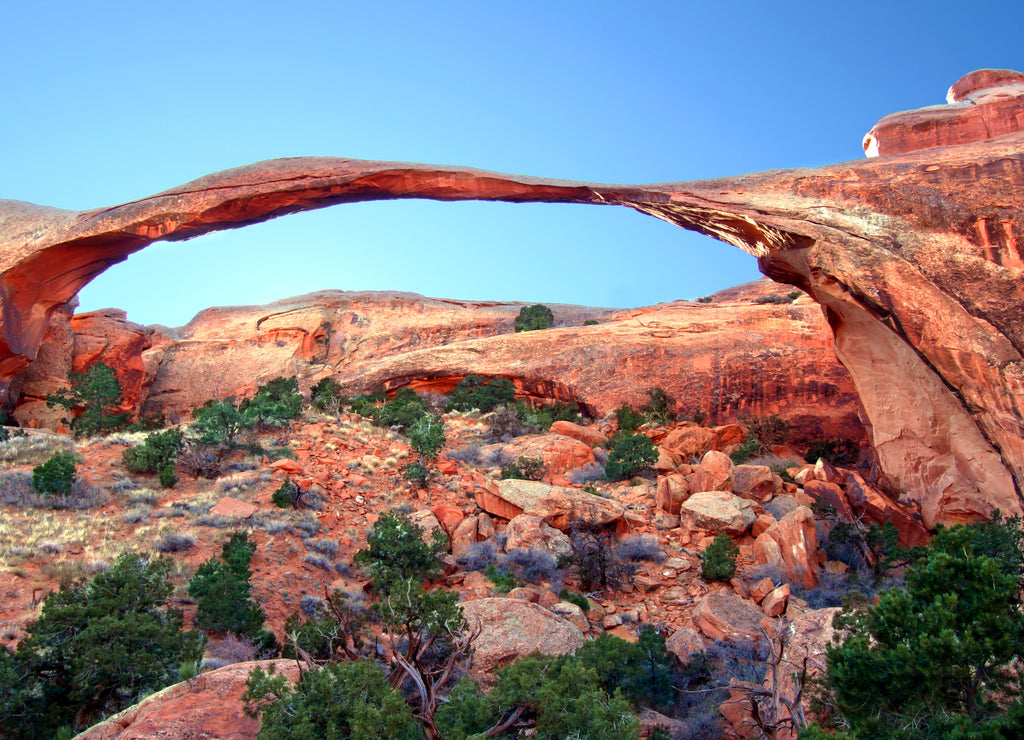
[914,256]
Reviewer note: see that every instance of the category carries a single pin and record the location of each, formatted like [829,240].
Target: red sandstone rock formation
[916,258]
[727,359]
[982,105]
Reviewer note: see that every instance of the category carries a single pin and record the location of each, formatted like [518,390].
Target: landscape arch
[915,258]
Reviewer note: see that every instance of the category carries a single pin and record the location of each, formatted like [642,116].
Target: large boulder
[690,441]
[713,474]
[587,435]
[874,507]
[510,629]
[717,511]
[559,507]
[726,616]
[792,544]
[560,454]
[209,706]
[672,490]
[531,532]
[756,482]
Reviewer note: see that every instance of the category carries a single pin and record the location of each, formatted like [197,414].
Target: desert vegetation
[350,534]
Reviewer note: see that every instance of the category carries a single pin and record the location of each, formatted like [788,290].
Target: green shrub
[95,394]
[95,649]
[219,422]
[56,475]
[287,496]
[933,659]
[591,322]
[501,578]
[629,454]
[326,395]
[642,671]
[542,417]
[366,404]
[418,473]
[221,590]
[768,430]
[149,423]
[718,561]
[341,700]
[473,392]
[404,410]
[629,419]
[276,402]
[524,468]
[427,436]
[532,318]
[751,446]
[395,549]
[168,479]
[575,598]
[157,452]
[659,408]
[564,698]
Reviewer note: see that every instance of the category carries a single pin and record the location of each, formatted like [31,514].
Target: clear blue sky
[105,102]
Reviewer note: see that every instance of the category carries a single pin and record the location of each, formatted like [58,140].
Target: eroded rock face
[721,353]
[916,258]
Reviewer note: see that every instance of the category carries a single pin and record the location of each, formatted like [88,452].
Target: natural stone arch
[915,258]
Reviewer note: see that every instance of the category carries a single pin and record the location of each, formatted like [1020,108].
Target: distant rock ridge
[726,358]
[917,258]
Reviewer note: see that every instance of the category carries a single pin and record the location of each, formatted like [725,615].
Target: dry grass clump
[67,571]
[16,490]
[130,439]
[34,449]
[175,542]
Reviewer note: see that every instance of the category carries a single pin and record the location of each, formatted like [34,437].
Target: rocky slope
[728,358]
[914,256]
[667,518]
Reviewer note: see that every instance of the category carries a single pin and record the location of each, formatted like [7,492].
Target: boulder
[831,494]
[671,492]
[725,616]
[874,507]
[792,544]
[560,454]
[559,507]
[728,435]
[465,534]
[427,522]
[776,602]
[232,507]
[531,532]
[688,442]
[713,474]
[449,517]
[209,706]
[717,511]
[587,435]
[755,482]
[683,643]
[510,629]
